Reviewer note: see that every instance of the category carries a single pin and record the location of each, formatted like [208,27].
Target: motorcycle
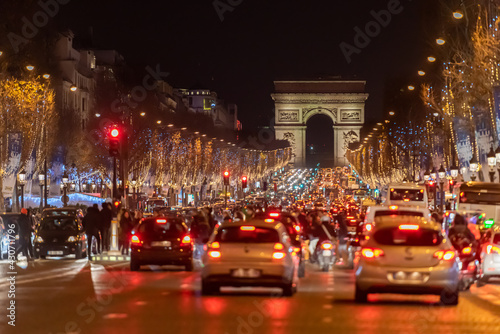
[325,253]
[469,268]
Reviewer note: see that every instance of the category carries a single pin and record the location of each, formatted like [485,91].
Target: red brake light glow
[369,227]
[214,254]
[269,220]
[445,255]
[247,228]
[278,246]
[297,228]
[186,240]
[161,221]
[274,214]
[371,253]
[406,200]
[215,245]
[393,207]
[409,227]
[135,239]
[492,249]
[327,245]
[466,250]
[278,255]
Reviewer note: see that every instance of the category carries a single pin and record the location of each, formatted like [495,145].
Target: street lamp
[65,180]
[497,156]
[22,182]
[41,179]
[134,184]
[454,171]
[492,161]
[442,175]
[434,173]
[427,176]
[473,165]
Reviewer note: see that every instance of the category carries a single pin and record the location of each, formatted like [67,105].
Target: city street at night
[64,296]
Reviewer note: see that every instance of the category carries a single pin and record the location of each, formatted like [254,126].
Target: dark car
[60,236]
[161,241]
[66,211]
[8,220]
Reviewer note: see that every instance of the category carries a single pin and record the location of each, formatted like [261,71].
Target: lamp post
[134,184]
[65,180]
[427,176]
[442,176]
[434,177]
[497,156]
[473,165]
[492,161]
[41,179]
[22,182]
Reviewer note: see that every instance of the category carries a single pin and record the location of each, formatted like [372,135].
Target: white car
[393,210]
[408,255]
[250,253]
[490,258]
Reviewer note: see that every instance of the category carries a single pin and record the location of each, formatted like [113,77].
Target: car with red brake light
[161,241]
[408,255]
[258,252]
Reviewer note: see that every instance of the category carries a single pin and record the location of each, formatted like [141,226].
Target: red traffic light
[117,203]
[114,133]
[244,178]
[226,173]
[431,183]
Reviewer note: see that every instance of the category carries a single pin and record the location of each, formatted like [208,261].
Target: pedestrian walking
[91,225]
[126,226]
[105,228]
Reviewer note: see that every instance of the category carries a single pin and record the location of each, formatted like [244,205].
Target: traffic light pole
[114,179]
[225,196]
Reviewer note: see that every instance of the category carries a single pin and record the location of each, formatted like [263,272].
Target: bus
[479,202]
[407,194]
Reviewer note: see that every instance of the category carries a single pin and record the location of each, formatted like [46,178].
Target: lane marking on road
[64,274]
[327,306]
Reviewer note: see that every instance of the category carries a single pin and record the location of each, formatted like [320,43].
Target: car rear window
[59,224]
[58,213]
[393,236]
[258,235]
[382,213]
[406,194]
[173,226]
[496,238]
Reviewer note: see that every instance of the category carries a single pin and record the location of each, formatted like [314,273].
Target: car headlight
[72,239]
[38,239]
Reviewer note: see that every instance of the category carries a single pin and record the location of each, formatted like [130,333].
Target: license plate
[160,243]
[327,253]
[351,229]
[55,252]
[246,273]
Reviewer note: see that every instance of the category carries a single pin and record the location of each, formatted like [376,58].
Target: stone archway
[297,101]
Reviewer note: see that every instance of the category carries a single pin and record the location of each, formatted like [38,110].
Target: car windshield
[394,236]
[407,194]
[59,224]
[249,235]
[58,213]
[10,219]
[170,226]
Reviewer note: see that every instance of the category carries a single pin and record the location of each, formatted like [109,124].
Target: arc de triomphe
[297,101]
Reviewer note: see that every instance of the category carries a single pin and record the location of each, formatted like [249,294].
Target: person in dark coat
[91,225]
[126,226]
[106,218]
[25,230]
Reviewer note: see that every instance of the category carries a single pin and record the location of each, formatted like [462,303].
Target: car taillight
[296,250]
[466,250]
[247,228]
[446,255]
[371,253]
[326,245]
[274,215]
[297,228]
[278,246]
[409,227]
[490,249]
[161,221]
[135,240]
[215,245]
[368,227]
[186,240]
[278,255]
[214,254]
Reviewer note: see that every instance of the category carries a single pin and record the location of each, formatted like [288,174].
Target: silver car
[490,258]
[250,253]
[409,255]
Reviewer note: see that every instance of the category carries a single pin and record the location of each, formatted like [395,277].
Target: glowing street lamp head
[30,67]
[73,88]
[115,133]
[421,73]
[411,87]
[440,41]
[431,59]
[458,15]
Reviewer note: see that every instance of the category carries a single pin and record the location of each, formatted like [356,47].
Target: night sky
[256,43]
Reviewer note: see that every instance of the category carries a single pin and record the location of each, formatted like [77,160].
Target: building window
[84,106]
[83,124]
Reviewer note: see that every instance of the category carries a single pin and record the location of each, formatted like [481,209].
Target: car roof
[391,221]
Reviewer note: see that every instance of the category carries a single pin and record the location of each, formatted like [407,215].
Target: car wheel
[302,269]
[449,297]
[360,296]
[189,266]
[134,265]
[208,289]
[288,290]
[481,281]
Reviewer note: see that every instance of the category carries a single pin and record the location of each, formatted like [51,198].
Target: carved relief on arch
[291,139]
[306,112]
